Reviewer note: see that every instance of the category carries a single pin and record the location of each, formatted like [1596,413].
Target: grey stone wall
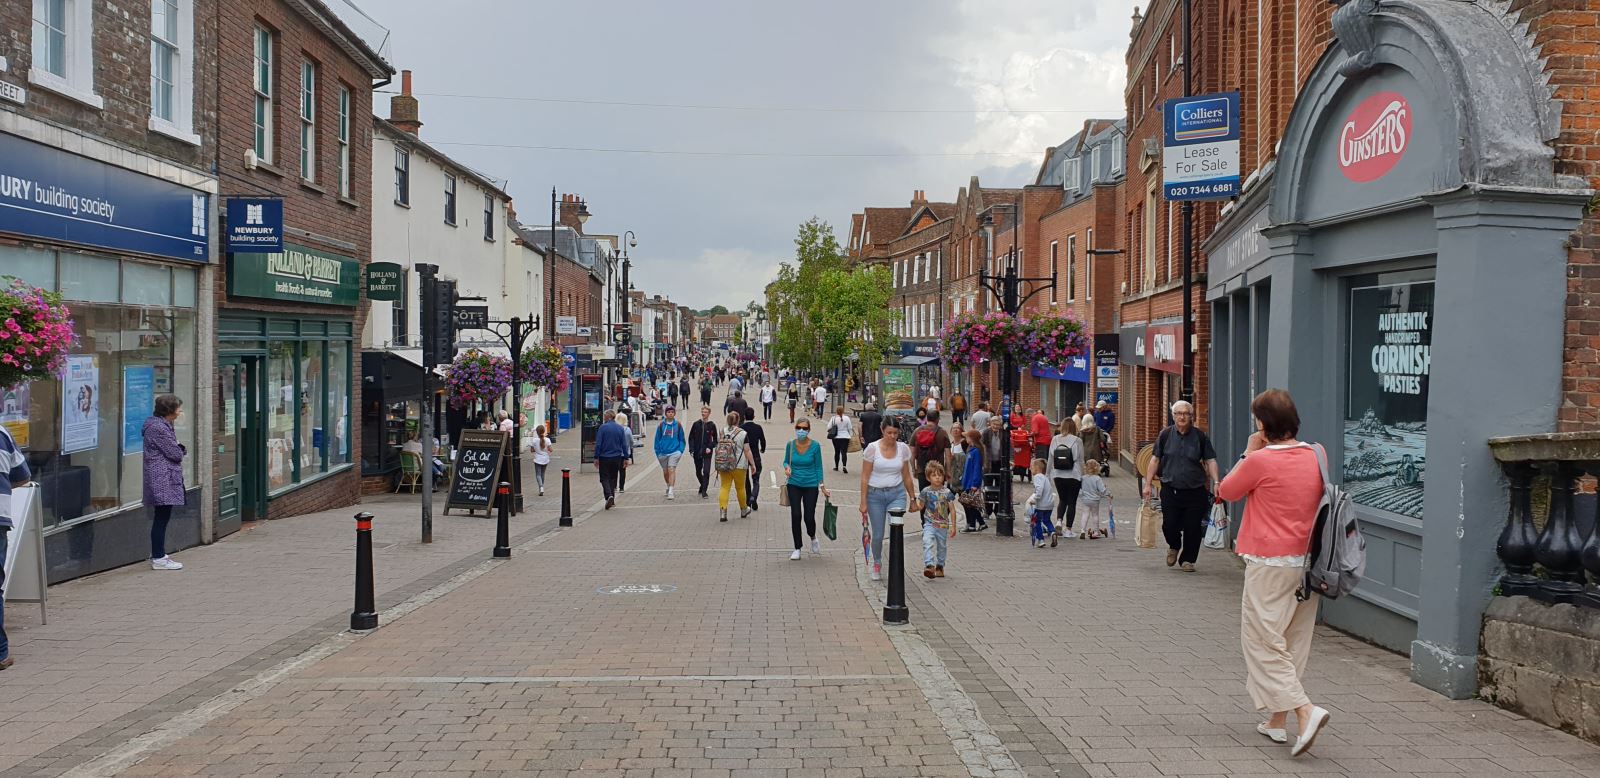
[1543,661]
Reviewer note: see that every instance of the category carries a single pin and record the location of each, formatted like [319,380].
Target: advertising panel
[1386,412]
[1200,160]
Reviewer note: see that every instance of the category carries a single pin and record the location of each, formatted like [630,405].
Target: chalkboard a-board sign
[476,471]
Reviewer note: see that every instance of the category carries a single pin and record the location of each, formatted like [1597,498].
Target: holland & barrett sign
[384,281]
[297,274]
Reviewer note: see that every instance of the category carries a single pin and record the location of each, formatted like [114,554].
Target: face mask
[802,434]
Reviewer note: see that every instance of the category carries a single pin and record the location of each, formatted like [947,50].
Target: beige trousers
[1275,630]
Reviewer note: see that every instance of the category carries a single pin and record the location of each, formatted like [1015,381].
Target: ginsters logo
[1374,137]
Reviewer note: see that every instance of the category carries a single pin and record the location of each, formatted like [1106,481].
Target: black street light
[550,322]
[630,240]
[514,333]
[1007,288]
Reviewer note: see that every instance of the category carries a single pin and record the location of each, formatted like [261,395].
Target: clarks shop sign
[297,274]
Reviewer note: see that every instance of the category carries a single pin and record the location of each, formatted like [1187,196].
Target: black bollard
[502,531]
[365,616]
[894,609]
[566,498]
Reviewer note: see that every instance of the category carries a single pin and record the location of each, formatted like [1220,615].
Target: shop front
[128,253]
[1413,212]
[1061,389]
[1150,380]
[284,383]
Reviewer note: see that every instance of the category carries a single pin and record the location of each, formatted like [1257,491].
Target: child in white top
[1042,503]
[1091,497]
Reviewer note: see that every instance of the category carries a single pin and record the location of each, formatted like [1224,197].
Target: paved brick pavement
[1090,659]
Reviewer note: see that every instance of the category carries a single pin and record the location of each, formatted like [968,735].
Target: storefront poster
[80,405]
[899,388]
[138,400]
[1386,417]
[14,412]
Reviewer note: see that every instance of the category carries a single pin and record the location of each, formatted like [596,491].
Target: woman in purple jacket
[163,475]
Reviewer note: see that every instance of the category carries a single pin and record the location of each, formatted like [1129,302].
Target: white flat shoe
[1275,735]
[1308,736]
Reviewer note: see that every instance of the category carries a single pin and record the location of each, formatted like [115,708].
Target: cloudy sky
[956,88]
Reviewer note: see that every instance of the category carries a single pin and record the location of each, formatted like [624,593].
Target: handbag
[833,431]
[1217,532]
[830,519]
[971,498]
[783,495]
[1148,527]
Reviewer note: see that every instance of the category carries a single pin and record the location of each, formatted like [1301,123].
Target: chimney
[403,107]
[919,197]
[511,212]
[570,205]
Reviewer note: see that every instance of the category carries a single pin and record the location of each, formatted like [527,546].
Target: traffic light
[438,321]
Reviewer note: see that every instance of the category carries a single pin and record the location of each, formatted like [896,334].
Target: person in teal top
[671,441]
[802,466]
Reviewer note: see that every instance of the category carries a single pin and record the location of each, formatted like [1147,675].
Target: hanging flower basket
[541,364]
[971,339]
[35,333]
[1053,340]
[477,377]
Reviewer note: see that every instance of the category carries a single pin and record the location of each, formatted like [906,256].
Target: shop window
[313,409]
[1388,357]
[282,391]
[34,266]
[81,433]
[146,285]
[89,278]
[308,410]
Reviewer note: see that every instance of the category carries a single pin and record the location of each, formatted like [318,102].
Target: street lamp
[1006,287]
[550,321]
[630,240]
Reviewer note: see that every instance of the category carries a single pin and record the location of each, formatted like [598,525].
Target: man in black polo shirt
[1185,465]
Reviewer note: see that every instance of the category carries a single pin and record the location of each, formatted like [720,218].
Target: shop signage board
[566,325]
[471,317]
[1109,398]
[385,281]
[476,471]
[1076,371]
[254,224]
[296,274]
[1200,160]
[1154,346]
[1373,138]
[57,195]
[919,348]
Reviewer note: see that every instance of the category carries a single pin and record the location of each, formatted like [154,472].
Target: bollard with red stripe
[365,615]
[566,498]
[502,532]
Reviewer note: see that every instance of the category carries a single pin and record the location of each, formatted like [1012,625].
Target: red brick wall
[316,207]
[121,79]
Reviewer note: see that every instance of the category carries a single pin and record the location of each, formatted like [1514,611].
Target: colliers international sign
[296,274]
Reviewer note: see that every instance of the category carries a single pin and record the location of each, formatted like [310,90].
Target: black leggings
[802,504]
[841,452]
[160,515]
[1067,500]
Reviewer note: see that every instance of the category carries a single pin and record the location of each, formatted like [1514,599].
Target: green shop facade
[286,393]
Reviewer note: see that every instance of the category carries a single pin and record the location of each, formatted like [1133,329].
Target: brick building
[1150,270]
[916,259]
[724,327]
[972,251]
[1088,171]
[296,126]
[107,146]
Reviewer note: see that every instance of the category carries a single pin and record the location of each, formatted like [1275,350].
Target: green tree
[715,310]
[822,311]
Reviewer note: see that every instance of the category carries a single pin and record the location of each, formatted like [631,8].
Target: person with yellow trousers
[732,459]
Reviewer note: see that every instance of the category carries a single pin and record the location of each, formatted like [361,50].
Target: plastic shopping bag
[830,520]
[1217,532]
[1111,521]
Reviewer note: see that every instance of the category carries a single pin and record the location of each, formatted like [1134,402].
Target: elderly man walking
[1185,465]
[613,447]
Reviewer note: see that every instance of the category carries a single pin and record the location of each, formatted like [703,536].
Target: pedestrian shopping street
[654,640]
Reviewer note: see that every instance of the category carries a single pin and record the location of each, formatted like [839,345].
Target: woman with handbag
[1282,478]
[971,497]
[802,471]
[886,485]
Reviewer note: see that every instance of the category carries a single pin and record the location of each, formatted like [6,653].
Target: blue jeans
[935,544]
[1042,527]
[5,645]
[881,500]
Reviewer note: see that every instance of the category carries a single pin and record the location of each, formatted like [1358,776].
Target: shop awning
[916,361]
[392,373]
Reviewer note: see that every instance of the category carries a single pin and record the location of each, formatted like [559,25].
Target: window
[344,141]
[308,121]
[63,49]
[265,120]
[1094,163]
[488,217]
[163,59]
[1172,245]
[398,316]
[1069,174]
[1117,154]
[1172,51]
[402,177]
[1388,347]
[1072,267]
[1151,221]
[1088,267]
[450,200]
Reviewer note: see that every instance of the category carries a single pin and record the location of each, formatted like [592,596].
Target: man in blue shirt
[15,468]
[613,448]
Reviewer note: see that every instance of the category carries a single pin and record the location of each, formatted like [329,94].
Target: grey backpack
[1338,554]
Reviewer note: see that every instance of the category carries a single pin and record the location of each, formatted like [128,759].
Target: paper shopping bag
[1148,527]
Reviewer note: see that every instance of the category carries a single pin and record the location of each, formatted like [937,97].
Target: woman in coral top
[1283,481]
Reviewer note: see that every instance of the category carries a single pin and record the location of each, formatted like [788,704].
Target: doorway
[240,496]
